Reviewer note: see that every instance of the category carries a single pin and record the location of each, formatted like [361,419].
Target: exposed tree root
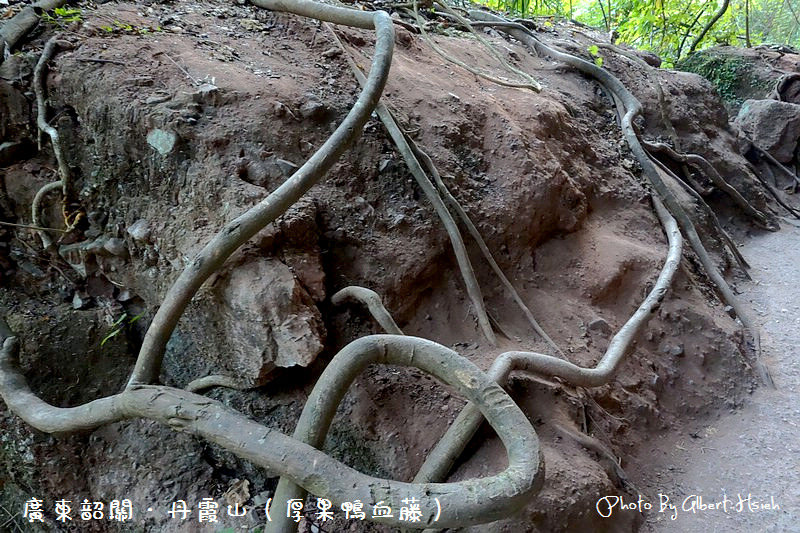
[633,108]
[215,380]
[711,173]
[462,214]
[442,457]
[462,503]
[374,304]
[529,84]
[608,460]
[14,30]
[771,190]
[464,264]
[36,209]
[242,228]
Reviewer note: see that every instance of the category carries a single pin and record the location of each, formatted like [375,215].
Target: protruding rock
[163,141]
[600,326]
[139,231]
[772,125]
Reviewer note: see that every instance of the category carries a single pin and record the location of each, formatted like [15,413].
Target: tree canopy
[675,28]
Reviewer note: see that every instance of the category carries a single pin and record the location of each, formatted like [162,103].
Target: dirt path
[755,451]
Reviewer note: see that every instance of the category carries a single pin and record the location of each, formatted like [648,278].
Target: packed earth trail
[748,459]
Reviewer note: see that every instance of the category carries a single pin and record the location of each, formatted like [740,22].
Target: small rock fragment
[163,141]
[116,246]
[139,231]
[600,326]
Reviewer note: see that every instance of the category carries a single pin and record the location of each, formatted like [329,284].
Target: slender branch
[721,11]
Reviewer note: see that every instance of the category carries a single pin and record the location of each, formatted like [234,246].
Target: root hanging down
[456,241]
[446,452]
[631,108]
[242,228]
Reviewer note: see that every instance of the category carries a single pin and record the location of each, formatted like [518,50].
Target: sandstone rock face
[265,319]
[773,126]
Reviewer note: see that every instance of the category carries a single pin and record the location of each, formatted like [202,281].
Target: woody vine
[302,465]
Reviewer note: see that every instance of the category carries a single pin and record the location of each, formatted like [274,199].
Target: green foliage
[62,15]
[119,326]
[595,51]
[722,72]
[128,29]
[669,27]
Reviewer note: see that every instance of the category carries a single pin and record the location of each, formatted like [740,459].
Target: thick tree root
[36,210]
[374,304]
[441,459]
[214,380]
[241,229]
[22,23]
[530,83]
[633,108]
[457,242]
[711,173]
[463,503]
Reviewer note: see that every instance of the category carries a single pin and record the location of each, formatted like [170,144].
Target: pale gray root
[780,85]
[242,228]
[769,157]
[463,503]
[727,241]
[535,85]
[702,164]
[455,371]
[36,209]
[214,380]
[531,84]
[608,460]
[772,191]
[39,77]
[446,452]
[456,241]
[633,108]
[467,221]
[15,29]
[372,300]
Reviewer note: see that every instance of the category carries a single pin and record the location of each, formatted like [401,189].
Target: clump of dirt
[173,133]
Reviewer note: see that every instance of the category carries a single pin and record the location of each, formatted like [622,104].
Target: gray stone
[600,326]
[259,318]
[116,247]
[139,231]
[163,141]
[675,350]
[314,110]
[772,125]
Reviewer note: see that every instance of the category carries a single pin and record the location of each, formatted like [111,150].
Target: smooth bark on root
[455,371]
[15,29]
[372,300]
[446,452]
[214,380]
[39,77]
[456,241]
[242,228]
[462,503]
[633,108]
[36,210]
[702,164]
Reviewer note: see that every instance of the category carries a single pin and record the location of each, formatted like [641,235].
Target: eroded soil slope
[176,131]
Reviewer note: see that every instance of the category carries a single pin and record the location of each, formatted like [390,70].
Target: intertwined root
[302,466]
